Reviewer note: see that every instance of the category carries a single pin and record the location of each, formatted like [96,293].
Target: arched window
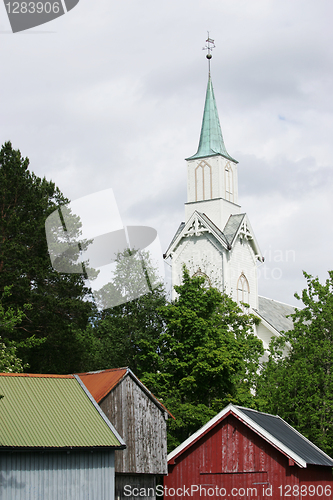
[203,181]
[207,283]
[243,290]
[229,184]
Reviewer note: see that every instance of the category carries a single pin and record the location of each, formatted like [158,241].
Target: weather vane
[209,47]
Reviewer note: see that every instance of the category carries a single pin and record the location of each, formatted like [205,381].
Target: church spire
[211,140]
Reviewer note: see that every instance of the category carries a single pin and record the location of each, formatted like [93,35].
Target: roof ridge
[36,375]
[107,370]
[278,301]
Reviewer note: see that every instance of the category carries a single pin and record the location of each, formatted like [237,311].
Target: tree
[9,361]
[208,357]
[299,386]
[128,334]
[58,309]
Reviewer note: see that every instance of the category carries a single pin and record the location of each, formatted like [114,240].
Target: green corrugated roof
[51,411]
[211,140]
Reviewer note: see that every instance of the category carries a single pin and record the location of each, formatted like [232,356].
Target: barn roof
[52,411]
[271,428]
[101,383]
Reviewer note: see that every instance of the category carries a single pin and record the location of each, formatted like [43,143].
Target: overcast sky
[112,94]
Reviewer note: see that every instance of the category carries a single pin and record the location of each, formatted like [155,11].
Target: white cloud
[114,96]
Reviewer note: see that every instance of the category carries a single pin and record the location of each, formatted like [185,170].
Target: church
[216,240]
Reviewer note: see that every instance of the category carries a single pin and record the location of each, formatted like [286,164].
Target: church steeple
[211,140]
[212,181]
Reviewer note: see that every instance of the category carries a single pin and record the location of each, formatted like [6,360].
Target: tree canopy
[58,311]
[9,361]
[208,356]
[299,386]
[128,334]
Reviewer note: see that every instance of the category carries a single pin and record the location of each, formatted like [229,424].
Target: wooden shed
[55,442]
[141,419]
[242,453]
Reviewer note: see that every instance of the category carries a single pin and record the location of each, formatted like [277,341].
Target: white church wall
[200,255]
[218,210]
[207,179]
[242,261]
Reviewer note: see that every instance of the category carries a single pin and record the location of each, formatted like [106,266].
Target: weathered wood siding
[232,456]
[134,486]
[142,425]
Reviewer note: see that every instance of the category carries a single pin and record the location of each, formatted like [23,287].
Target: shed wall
[143,427]
[134,486]
[57,475]
[233,456]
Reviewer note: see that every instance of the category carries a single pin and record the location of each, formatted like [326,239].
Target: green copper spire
[211,139]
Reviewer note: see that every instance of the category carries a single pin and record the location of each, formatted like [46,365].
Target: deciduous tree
[128,334]
[208,357]
[299,386]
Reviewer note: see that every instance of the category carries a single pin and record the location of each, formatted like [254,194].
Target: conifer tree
[57,311]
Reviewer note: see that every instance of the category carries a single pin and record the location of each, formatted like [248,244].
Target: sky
[111,95]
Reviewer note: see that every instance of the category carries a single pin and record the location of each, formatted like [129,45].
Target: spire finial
[209,47]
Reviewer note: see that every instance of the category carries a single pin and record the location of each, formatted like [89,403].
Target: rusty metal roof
[52,411]
[100,383]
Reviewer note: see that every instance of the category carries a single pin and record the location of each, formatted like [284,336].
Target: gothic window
[243,290]
[203,181]
[229,182]
[207,283]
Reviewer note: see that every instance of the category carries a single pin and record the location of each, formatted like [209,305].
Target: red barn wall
[232,456]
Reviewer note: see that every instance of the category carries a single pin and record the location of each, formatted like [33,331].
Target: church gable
[197,225]
[239,227]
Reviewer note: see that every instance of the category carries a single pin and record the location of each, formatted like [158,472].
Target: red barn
[245,454]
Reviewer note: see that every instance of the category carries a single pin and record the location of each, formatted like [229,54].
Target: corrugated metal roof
[271,428]
[51,411]
[100,383]
[288,436]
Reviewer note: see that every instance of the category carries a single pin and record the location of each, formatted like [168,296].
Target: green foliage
[9,362]
[299,387]
[58,311]
[208,357]
[127,334]
[9,318]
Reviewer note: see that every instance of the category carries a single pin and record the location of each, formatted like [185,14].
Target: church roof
[216,230]
[179,230]
[232,226]
[199,223]
[211,140]
[275,313]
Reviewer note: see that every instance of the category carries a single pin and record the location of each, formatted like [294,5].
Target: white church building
[216,240]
